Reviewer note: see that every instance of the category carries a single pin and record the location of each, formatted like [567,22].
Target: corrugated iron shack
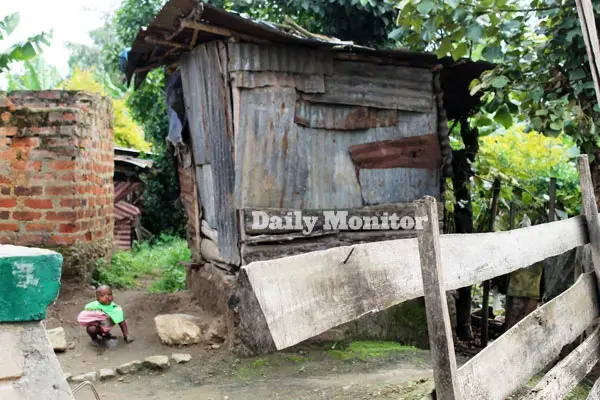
[129,190]
[280,121]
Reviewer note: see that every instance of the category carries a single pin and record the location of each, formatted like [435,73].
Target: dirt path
[314,372]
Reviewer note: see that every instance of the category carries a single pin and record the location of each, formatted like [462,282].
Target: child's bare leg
[93,331]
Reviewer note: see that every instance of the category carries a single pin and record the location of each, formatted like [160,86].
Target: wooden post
[486,285]
[438,318]
[590,210]
[552,201]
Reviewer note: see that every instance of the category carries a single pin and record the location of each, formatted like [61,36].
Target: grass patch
[157,260]
[364,350]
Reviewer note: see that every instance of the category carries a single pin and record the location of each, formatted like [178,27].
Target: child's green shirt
[112,310]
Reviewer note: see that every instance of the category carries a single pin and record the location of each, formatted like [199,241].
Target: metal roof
[124,210]
[183,24]
[137,162]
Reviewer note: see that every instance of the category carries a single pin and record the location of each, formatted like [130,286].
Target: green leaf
[499,82]
[425,6]
[452,3]
[445,47]
[9,24]
[557,126]
[577,74]
[483,121]
[492,53]
[504,117]
[474,32]
[537,94]
[461,50]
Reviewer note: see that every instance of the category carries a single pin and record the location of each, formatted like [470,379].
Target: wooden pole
[486,285]
[587,20]
[552,201]
[438,318]
[590,210]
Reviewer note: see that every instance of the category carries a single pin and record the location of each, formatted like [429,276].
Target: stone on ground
[90,377]
[175,330]
[129,367]
[181,358]
[157,362]
[58,339]
[107,373]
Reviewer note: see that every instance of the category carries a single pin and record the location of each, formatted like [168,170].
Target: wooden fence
[305,295]
[510,362]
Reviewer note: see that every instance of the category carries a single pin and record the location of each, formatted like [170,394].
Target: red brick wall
[56,168]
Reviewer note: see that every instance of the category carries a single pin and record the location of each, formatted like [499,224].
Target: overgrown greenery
[524,162]
[364,350]
[127,133]
[37,75]
[156,262]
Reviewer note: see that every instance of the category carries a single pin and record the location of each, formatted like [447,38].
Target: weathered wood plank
[343,118]
[590,210]
[327,288]
[567,374]
[438,318]
[255,217]
[531,344]
[413,152]
[261,249]
[307,83]
[252,57]
[595,392]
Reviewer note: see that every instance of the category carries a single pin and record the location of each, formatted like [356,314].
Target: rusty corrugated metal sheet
[145,55]
[124,210]
[398,185]
[252,57]
[280,164]
[413,152]
[213,120]
[122,189]
[312,83]
[379,86]
[122,234]
[271,159]
[338,117]
[137,162]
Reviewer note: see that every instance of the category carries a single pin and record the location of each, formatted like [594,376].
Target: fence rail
[525,349]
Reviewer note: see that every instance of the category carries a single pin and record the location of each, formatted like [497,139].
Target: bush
[157,260]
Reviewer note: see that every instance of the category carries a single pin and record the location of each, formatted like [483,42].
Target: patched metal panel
[333,180]
[271,160]
[339,117]
[312,83]
[413,152]
[382,186]
[280,164]
[253,57]
[379,86]
[215,118]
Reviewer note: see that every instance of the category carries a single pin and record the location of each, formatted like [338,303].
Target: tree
[127,132]
[21,51]
[37,75]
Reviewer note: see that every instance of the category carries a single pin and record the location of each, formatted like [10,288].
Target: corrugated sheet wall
[292,149]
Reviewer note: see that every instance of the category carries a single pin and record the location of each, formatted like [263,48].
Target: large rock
[89,377]
[176,330]
[157,362]
[58,339]
[181,358]
[107,373]
[129,367]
